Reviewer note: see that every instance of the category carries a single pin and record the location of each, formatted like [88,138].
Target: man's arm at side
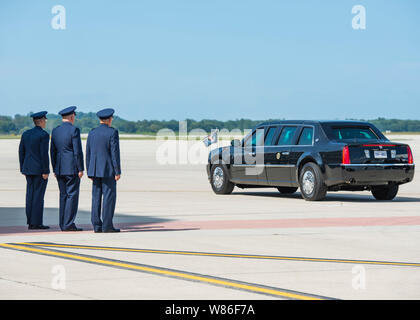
[77,150]
[115,152]
[45,162]
[87,153]
[53,151]
[21,153]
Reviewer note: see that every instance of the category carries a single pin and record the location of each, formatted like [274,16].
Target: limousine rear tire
[311,182]
[385,193]
[219,180]
[287,190]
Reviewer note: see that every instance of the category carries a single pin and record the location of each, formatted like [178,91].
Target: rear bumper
[373,174]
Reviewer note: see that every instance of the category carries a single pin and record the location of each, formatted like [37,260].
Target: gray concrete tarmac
[349,246]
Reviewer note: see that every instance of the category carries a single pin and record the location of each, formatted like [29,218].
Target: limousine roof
[330,122]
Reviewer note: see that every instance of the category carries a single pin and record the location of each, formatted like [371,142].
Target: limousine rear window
[352,133]
[306,137]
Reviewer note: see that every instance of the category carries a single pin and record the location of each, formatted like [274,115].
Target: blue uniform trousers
[69,199]
[35,191]
[105,188]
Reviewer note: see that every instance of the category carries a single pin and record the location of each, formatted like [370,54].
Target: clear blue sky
[218,59]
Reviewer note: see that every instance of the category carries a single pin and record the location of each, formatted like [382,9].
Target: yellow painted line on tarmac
[167,272]
[228,255]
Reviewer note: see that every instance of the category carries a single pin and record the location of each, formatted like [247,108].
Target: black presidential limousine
[315,156]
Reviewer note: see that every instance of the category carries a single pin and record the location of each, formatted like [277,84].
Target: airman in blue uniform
[103,167]
[34,164]
[67,162]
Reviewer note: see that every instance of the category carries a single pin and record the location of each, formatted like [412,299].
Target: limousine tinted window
[286,136]
[270,135]
[353,133]
[306,137]
[255,139]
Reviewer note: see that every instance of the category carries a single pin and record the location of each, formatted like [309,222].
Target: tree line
[87,121]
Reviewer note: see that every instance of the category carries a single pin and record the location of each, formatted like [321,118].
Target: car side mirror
[236,143]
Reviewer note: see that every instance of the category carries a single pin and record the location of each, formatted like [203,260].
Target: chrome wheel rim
[218,178]
[308,182]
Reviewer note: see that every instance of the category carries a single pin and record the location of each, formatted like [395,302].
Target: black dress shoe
[41,226]
[98,230]
[111,230]
[73,228]
[37,227]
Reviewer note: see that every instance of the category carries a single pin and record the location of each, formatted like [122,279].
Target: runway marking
[183,275]
[223,255]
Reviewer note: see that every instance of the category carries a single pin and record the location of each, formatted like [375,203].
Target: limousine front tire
[312,186]
[385,193]
[219,180]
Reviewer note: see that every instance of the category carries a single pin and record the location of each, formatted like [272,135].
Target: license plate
[381,154]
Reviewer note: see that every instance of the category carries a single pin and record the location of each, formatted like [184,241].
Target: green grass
[9,136]
[403,133]
[198,138]
[153,137]
[135,138]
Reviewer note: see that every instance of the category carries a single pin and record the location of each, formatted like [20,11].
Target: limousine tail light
[346,155]
[410,156]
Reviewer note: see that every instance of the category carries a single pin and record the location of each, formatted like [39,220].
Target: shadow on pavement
[13,220]
[158,228]
[330,197]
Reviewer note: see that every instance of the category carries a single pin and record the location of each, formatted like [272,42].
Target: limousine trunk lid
[377,153]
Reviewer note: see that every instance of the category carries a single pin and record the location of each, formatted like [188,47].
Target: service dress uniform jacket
[103,164]
[34,162]
[67,161]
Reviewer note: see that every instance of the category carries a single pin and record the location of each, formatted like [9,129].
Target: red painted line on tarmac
[294,223]
[234,224]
